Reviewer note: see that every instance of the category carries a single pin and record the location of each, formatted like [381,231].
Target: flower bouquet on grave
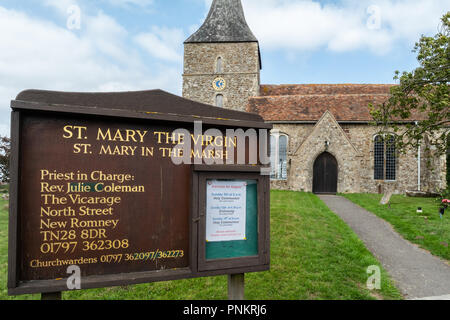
[444,205]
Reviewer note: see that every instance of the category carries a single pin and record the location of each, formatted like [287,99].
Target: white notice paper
[225,210]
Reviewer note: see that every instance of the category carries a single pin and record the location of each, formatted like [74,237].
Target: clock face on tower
[219,84]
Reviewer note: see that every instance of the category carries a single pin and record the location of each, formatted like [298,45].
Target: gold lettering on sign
[82,211]
[80,132]
[121,136]
[118,150]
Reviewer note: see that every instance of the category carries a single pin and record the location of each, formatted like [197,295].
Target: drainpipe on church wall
[418,165]
[418,169]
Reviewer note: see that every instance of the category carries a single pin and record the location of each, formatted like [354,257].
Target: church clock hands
[219,84]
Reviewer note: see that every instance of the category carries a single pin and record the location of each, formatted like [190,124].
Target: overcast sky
[116,45]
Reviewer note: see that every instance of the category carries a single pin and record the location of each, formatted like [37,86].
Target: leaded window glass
[390,158]
[379,158]
[385,158]
[279,156]
[282,157]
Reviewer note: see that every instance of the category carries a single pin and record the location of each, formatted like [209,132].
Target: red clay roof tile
[348,107]
[308,102]
[306,89]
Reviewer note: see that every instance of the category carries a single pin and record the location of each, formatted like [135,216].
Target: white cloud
[126,3]
[108,37]
[162,43]
[4,130]
[61,5]
[310,25]
[39,54]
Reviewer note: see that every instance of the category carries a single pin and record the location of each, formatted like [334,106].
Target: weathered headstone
[386,197]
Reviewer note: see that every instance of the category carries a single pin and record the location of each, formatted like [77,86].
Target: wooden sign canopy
[93,186]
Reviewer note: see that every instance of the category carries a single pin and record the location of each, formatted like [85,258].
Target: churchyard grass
[3,244]
[425,229]
[4,188]
[314,255]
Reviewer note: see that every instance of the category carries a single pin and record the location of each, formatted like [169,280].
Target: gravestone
[386,197]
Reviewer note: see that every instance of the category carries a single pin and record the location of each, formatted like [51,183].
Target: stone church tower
[222,59]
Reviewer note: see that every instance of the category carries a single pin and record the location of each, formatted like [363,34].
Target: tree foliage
[5,152]
[422,95]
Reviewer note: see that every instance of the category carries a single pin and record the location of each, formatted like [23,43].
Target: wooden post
[51,296]
[236,286]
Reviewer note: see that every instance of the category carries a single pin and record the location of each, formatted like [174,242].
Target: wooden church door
[325,175]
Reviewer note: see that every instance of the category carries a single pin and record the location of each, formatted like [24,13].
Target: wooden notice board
[94,186]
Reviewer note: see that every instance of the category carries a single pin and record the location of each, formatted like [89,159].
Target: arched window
[385,157]
[279,156]
[282,156]
[219,101]
[273,152]
[391,158]
[379,158]
[219,65]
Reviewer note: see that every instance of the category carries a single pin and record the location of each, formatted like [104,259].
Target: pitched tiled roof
[344,107]
[306,89]
[308,102]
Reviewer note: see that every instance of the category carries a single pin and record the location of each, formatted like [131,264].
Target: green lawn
[4,188]
[3,246]
[426,229]
[314,256]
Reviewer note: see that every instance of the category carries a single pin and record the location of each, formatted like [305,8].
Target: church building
[323,140]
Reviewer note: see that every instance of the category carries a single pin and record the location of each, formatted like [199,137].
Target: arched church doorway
[325,175]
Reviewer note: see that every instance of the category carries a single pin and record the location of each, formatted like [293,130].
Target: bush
[4,189]
[448,162]
[5,152]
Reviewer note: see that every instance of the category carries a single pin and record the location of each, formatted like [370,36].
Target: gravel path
[416,272]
